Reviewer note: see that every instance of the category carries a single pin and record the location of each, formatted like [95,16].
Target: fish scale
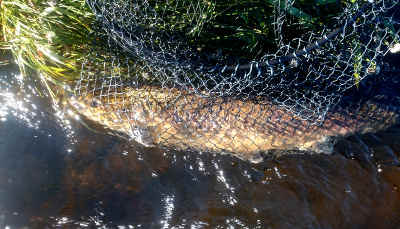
[176,119]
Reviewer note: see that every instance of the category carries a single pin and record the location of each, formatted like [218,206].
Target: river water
[55,173]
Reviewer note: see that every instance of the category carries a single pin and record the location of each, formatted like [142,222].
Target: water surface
[58,174]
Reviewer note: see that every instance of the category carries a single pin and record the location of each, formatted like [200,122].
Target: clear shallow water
[57,174]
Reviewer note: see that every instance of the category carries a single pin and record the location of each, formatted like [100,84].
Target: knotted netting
[175,73]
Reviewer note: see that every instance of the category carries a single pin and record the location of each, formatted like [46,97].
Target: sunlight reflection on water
[12,105]
[20,100]
[101,181]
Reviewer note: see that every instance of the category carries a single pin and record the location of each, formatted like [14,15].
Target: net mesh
[171,73]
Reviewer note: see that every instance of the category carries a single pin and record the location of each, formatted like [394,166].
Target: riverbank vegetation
[53,37]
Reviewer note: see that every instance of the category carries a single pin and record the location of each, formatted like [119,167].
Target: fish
[181,120]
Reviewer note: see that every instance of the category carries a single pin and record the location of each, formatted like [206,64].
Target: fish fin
[325,145]
[256,158]
[142,135]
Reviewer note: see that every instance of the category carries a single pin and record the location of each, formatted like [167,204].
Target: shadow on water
[58,175]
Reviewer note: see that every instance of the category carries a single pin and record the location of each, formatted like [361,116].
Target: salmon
[180,120]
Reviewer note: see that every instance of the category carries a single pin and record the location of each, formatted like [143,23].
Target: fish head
[116,114]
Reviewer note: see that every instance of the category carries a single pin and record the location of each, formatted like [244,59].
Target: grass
[224,26]
[47,37]
[53,37]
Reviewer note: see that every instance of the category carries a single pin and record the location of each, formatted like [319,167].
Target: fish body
[180,120]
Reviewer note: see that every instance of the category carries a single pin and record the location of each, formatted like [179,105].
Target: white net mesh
[166,72]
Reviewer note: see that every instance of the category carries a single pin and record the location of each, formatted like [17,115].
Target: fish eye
[94,103]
